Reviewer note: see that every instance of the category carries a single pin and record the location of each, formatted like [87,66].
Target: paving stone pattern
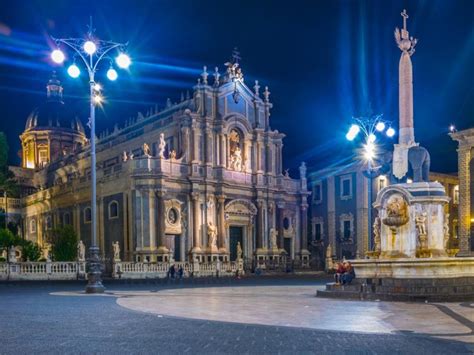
[34,321]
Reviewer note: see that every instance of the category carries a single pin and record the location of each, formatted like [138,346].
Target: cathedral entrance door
[173,243]
[177,248]
[235,236]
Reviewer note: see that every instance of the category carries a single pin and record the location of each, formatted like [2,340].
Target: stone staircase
[406,290]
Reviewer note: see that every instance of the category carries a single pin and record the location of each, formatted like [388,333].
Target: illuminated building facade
[194,180]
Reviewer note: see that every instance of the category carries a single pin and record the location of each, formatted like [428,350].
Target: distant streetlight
[369,127]
[92,50]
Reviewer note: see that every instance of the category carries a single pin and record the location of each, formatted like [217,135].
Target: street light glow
[123,61]
[97,87]
[73,71]
[369,151]
[371,138]
[380,126]
[90,47]
[57,56]
[112,74]
[390,132]
[98,99]
[353,132]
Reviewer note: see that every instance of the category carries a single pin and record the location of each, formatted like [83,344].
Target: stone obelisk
[406,137]
[405,82]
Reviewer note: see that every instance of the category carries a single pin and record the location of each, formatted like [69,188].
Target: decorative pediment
[241,207]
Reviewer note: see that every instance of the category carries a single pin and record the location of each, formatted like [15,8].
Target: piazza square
[176,180]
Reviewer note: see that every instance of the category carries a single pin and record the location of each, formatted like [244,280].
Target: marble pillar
[152,219]
[221,224]
[196,236]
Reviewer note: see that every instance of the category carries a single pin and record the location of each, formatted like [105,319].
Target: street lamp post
[6,209]
[369,126]
[92,51]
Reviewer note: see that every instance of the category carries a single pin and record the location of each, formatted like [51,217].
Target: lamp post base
[94,279]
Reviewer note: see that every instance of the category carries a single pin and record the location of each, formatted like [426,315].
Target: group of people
[172,272]
[344,273]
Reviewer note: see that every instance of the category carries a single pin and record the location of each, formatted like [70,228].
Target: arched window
[113,210]
[87,215]
[66,219]
[33,226]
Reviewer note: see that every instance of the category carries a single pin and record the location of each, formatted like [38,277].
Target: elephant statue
[418,165]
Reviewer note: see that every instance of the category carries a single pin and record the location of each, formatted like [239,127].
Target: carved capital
[195,196]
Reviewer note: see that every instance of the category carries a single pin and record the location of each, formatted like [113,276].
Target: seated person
[339,272]
[349,273]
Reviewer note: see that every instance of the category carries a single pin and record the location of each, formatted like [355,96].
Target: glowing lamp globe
[390,132]
[123,61]
[73,71]
[90,47]
[371,138]
[112,74]
[380,126]
[57,56]
[353,132]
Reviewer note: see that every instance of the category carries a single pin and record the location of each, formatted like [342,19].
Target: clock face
[172,216]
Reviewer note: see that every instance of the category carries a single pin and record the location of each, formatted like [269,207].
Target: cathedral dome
[53,113]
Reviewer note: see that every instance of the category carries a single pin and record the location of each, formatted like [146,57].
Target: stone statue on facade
[12,255]
[236,160]
[273,238]
[239,251]
[81,251]
[131,155]
[376,230]
[162,146]
[146,150]
[329,262]
[212,236]
[46,251]
[420,221]
[173,154]
[116,248]
[446,231]
[124,156]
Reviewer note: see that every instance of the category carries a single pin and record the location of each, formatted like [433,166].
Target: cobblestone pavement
[44,318]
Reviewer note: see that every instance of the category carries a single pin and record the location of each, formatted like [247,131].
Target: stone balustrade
[42,271]
[143,270]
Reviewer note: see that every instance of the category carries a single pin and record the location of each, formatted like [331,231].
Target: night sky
[324,62]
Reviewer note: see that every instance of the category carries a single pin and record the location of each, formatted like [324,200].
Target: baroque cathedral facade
[200,180]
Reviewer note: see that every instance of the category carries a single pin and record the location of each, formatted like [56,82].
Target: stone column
[208,146]
[259,156]
[280,226]
[222,154]
[196,237]
[196,149]
[153,217]
[163,251]
[260,224]
[304,227]
[464,159]
[221,224]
